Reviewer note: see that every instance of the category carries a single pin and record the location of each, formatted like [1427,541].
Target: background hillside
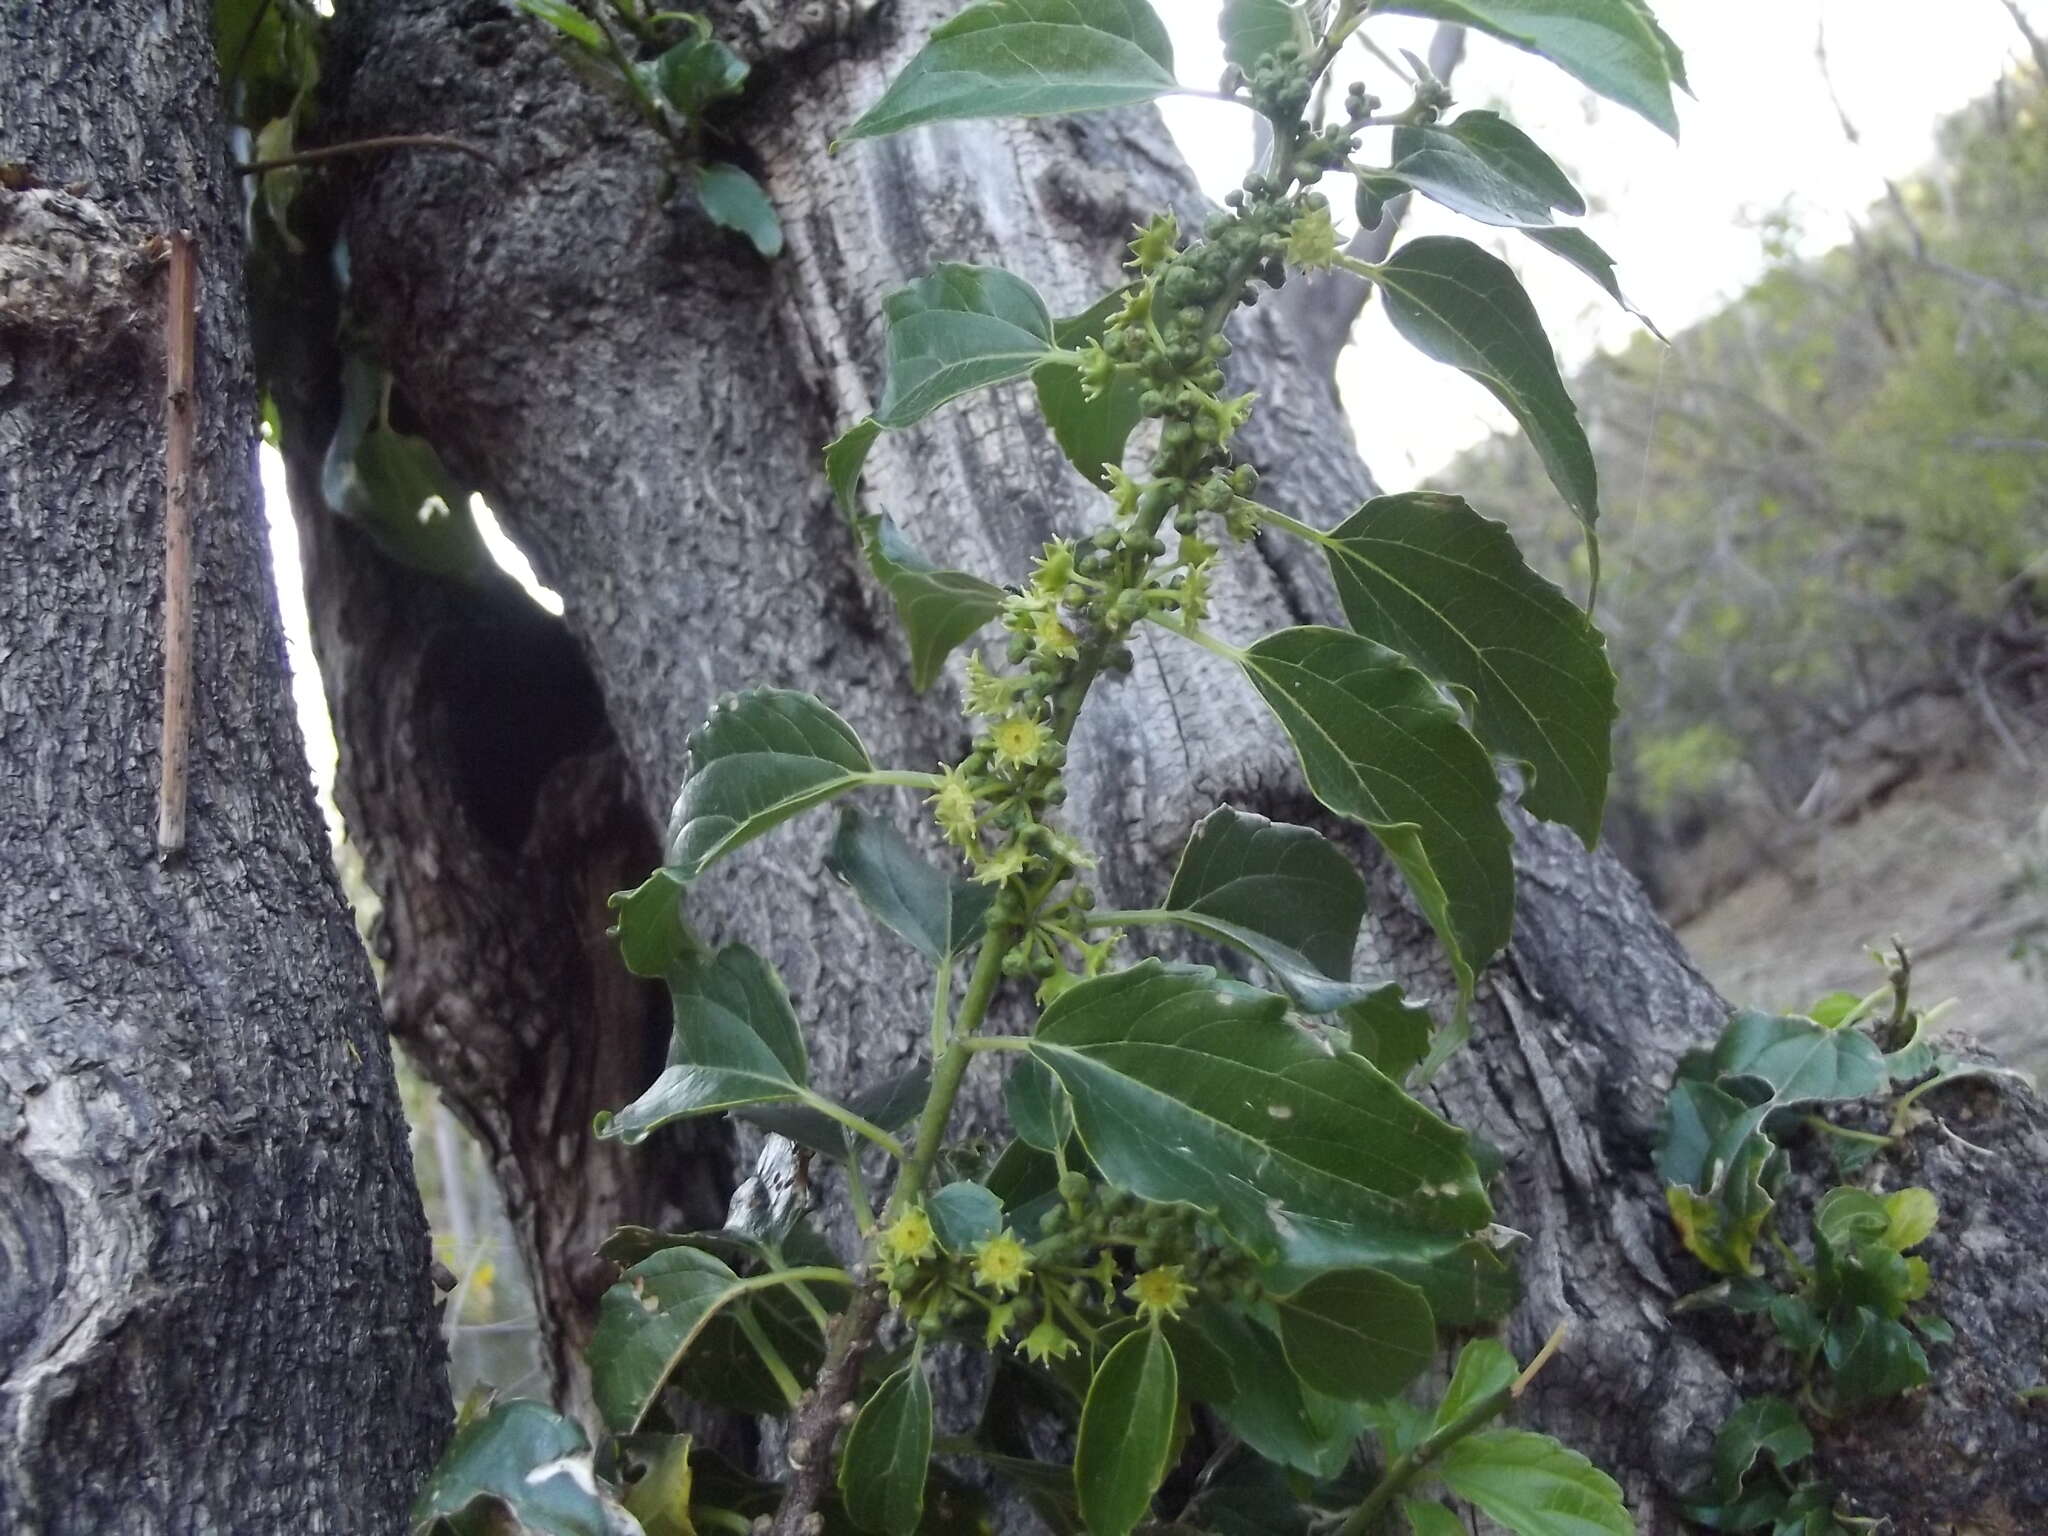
[1826,550]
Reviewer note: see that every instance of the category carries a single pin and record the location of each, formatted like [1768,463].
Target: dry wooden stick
[181,335]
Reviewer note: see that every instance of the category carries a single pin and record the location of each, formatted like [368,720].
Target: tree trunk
[644,401]
[216,1310]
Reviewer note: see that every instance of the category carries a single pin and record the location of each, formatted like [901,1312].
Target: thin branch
[2035,42]
[369,146]
[181,333]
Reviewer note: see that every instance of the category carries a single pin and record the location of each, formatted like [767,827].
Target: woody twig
[181,327]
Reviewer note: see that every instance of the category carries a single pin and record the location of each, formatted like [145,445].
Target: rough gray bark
[644,401]
[216,1310]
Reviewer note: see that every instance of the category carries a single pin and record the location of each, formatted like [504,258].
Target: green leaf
[698,73]
[736,1042]
[941,610]
[1357,1333]
[962,1215]
[957,329]
[1483,166]
[1583,252]
[733,200]
[845,456]
[1027,58]
[1911,1215]
[1389,1031]
[394,486]
[1534,1486]
[1194,1090]
[890,1104]
[1426,575]
[1610,45]
[1037,1106]
[660,1497]
[1126,1433]
[1459,305]
[888,1453]
[651,932]
[1712,1156]
[1382,745]
[1759,1426]
[1431,1519]
[647,1323]
[1467,1284]
[1270,1409]
[1484,1367]
[567,20]
[938,914]
[1091,433]
[1872,1357]
[1253,30]
[492,1462]
[1796,1060]
[764,756]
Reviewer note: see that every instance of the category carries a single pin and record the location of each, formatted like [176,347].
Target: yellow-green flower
[1157,241]
[909,1239]
[1312,242]
[999,867]
[1001,1264]
[1054,638]
[1019,739]
[1160,1292]
[1047,1342]
[1123,490]
[1000,1317]
[1055,568]
[953,808]
[988,693]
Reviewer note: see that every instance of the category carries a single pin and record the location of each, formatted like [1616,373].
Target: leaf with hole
[764,756]
[1382,745]
[1426,575]
[888,1452]
[939,914]
[1459,305]
[1356,1334]
[1610,45]
[941,610]
[1534,1486]
[1190,1089]
[1027,58]
[733,200]
[1126,1435]
[526,1460]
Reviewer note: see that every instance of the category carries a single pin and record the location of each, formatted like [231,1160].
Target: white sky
[1761,137]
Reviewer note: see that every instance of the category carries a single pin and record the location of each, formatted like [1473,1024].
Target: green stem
[1286,524]
[857,1192]
[942,1004]
[997,1043]
[771,1357]
[856,1124]
[951,1066]
[901,778]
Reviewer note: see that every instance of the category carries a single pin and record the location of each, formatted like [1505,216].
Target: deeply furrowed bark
[216,1312]
[643,401]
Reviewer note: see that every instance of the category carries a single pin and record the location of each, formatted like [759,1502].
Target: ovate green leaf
[1483,166]
[764,756]
[888,1453]
[1872,1357]
[1610,45]
[939,914]
[1389,1031]
[528,1461]
[1037,1106]
[940,609]
[1382,745]
[1484,1367]
[845,456]
[1028,58]
[1462,306]
[1796,1060]
[1357,1334]
[651,932]
[1195,1090]
[1534,1486]
[567,20]
[963,1215]
[697,73]
[736,1042]
[733,200]
[959,328]
[1583,252]
[1426,575]
[1126,1433]
[1431,1519]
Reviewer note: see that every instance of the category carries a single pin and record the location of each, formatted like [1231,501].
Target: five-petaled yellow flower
[1047,1342]
[953,808]
[1020,739]
[1160,1292]
[1001,1264]
[910,1238]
